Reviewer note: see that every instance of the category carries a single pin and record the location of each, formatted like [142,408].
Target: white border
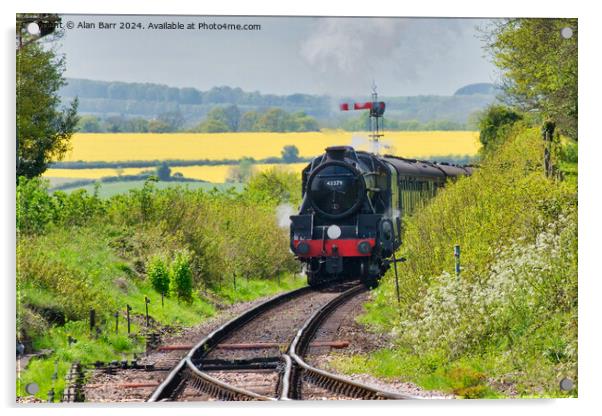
[589,186]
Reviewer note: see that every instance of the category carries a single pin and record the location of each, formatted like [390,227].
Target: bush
[274,186]
[35,209]
[181,276]
[495,124]
[158,274]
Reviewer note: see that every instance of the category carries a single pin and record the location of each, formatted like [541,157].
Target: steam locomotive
[349,223]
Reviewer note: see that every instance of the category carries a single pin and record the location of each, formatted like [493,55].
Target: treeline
[231,119]
[105,99]
[163,123]
[362,123]
[218,120]
[85,88]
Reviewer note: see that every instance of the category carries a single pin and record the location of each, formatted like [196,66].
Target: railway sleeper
[270,363]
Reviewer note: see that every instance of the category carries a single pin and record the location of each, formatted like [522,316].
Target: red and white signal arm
[377,108]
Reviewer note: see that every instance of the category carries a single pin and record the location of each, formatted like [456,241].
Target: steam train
[349,223]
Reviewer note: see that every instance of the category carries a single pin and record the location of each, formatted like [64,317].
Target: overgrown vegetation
[199,249]
[510,317]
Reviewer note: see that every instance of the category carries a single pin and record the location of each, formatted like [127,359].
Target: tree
[493,124]
[243,172]
[89,124]
[539,67]
[180,273]
[172,119]
[274,119]
[290,154]
[305,123]
[163,172]
[43,129]
[232,115]
[158,274]
[213,126]
[157,126]
[248,121]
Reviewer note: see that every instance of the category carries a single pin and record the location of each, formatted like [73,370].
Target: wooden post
[397,283]
[146,302]
[128,308]
[116,315]
[92,320]
[457,256]
[547,132]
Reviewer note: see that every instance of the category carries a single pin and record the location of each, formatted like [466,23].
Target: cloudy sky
[338,56]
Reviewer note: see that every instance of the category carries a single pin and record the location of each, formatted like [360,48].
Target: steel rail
[187,367]
[322,378]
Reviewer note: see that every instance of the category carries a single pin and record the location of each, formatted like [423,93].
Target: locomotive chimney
[337,152]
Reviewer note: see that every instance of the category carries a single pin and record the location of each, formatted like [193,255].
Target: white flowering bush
[527,282]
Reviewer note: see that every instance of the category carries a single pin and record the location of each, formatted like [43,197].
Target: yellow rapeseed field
[110,147]
[187,146]
[217,173]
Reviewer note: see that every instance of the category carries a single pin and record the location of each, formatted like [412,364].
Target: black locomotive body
[349,222]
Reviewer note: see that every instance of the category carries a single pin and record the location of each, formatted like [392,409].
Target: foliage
[241,173]
[513,309]
[43,130]
[66,267]
[37,210]
[158,273]
[275,185]
[494,124]
[362,123]
[230,119]
[290,154]
[34,205]
[163,172]
[539,67]
[133,100]
[213,126]
[180,276]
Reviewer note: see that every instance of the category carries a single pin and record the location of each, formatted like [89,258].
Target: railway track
[259,355]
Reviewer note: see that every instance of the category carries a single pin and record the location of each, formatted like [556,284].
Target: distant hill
[104,99]
[483,88]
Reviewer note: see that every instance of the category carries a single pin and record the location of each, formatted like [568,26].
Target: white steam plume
[283,213]
[351,53]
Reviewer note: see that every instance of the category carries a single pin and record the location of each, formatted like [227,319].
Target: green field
[108,190]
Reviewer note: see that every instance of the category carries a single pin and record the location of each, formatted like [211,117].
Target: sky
[314,55]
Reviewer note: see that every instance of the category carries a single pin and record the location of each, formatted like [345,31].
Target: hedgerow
[514,304]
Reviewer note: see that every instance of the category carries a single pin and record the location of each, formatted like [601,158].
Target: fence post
[396,283]
[116,315]
[128,308]
[92,320]
[457,257]
[547,132]
[146,302]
